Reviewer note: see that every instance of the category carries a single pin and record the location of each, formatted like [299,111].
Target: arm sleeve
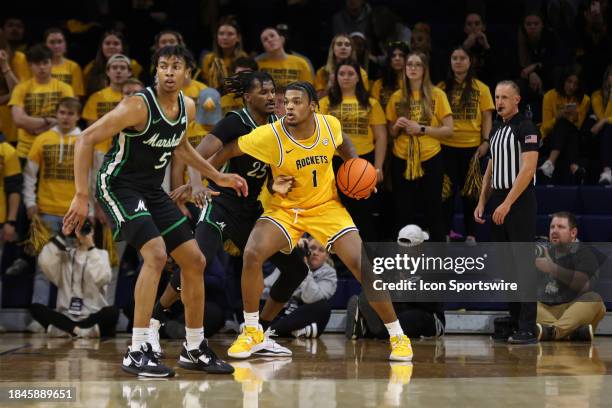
[98,266]
[319,286]
[529,137]
[319,82]
[377,116]
[89,111]
[77,81]
[262,144]
[30,178]
[390,110]
[548,113]
[17,96]
[597,104]
[583,110]
[50,260]
[443,108]
[67,90]
[324,105]
[486,101]
[229,128]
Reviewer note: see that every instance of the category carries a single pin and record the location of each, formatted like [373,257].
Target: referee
[509,182]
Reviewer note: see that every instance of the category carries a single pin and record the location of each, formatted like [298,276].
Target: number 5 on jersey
[163,161]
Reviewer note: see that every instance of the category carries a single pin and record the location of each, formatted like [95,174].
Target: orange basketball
[356,178]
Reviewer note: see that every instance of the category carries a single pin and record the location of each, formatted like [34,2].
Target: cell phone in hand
[570,106]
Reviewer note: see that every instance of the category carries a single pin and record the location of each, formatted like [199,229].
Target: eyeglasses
[343,43]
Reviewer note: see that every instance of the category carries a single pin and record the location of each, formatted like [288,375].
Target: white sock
[194,337]
[251,319]
[140,335]
[394,329]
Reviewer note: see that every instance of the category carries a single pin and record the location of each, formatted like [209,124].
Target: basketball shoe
[401,349]
[248,342]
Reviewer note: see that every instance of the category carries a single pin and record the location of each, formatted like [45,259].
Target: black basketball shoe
[143,363]
[203,359]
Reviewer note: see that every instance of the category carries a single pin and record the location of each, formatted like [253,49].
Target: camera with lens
[85,229]
[541,245]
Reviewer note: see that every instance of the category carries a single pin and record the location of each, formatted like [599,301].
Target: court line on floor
[14,350]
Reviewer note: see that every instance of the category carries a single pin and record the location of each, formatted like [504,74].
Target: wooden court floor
[457,371]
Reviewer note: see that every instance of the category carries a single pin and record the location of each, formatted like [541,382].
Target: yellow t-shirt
[9,166]
[20,66]
[554,103]
[308,161]
[210,68]
[193,89]
[195,133]
[356,121]
[54,155]
[98,105]
[383,95]
[229,102]
[600,110]
[467,122]
[440,107]
[38,100]
[322,77]
[70,73]
[291,69]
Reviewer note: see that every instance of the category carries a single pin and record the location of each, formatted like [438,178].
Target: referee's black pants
[426,191]
[519,226]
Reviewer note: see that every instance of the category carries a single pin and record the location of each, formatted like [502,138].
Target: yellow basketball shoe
[248,342]
[401,349]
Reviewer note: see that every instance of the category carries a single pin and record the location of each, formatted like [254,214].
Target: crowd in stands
[418,104]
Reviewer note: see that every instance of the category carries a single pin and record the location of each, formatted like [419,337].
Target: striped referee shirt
[508,141]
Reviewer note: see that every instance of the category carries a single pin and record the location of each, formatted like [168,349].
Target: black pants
[365,213]
[307,313]
[605,136]
[456,165]
[519,226]
[105,318]
[408,194]
[565,137]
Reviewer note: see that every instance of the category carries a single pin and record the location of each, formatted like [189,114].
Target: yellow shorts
[326,223]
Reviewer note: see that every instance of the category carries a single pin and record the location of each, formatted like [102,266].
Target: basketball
[356,178]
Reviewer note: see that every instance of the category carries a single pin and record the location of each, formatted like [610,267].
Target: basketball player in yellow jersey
[300,147]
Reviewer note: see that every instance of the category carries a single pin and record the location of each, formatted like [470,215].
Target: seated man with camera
[568,308]
[81,273]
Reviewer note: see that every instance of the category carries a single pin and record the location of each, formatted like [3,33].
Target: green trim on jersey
[182,108]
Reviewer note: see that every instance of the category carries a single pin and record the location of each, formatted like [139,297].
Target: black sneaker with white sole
[143,363]
[203,359]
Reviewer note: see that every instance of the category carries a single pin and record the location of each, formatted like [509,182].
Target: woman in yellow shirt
[363,120]
[283,68]
[418,116]
[112,43]
[563,112]
[62,68]
[226,48]
[392,73]
[472,107]
[341,48]
[601,100]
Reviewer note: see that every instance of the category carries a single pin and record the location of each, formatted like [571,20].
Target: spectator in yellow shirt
[8,80]
[112,43]
[363,120]
[340,49]
[392,73]
[10,191]
[227,46]
[62,68]
[418,117]
[229,101]
[472,107]
[563,112]
[284,68]
[601,100]
[34,102]
[48,185]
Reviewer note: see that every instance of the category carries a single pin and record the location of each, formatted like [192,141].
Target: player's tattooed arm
[347,149]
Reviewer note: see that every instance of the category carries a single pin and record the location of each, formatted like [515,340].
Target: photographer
[81,273]
[308,311]
[568,307]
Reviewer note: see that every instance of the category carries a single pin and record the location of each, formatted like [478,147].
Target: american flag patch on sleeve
[531,139]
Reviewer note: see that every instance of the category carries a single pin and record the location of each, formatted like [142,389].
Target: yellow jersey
[322,78]
[70,72]
[20,66]
[286,71]
[554,103]
[356,121]
[308,161]
[429,146]
[37,100]
[54,155]
[9,166]
[601,110]
[467,121]
[98,105]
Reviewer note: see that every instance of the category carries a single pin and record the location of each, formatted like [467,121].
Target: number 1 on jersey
[314,178]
